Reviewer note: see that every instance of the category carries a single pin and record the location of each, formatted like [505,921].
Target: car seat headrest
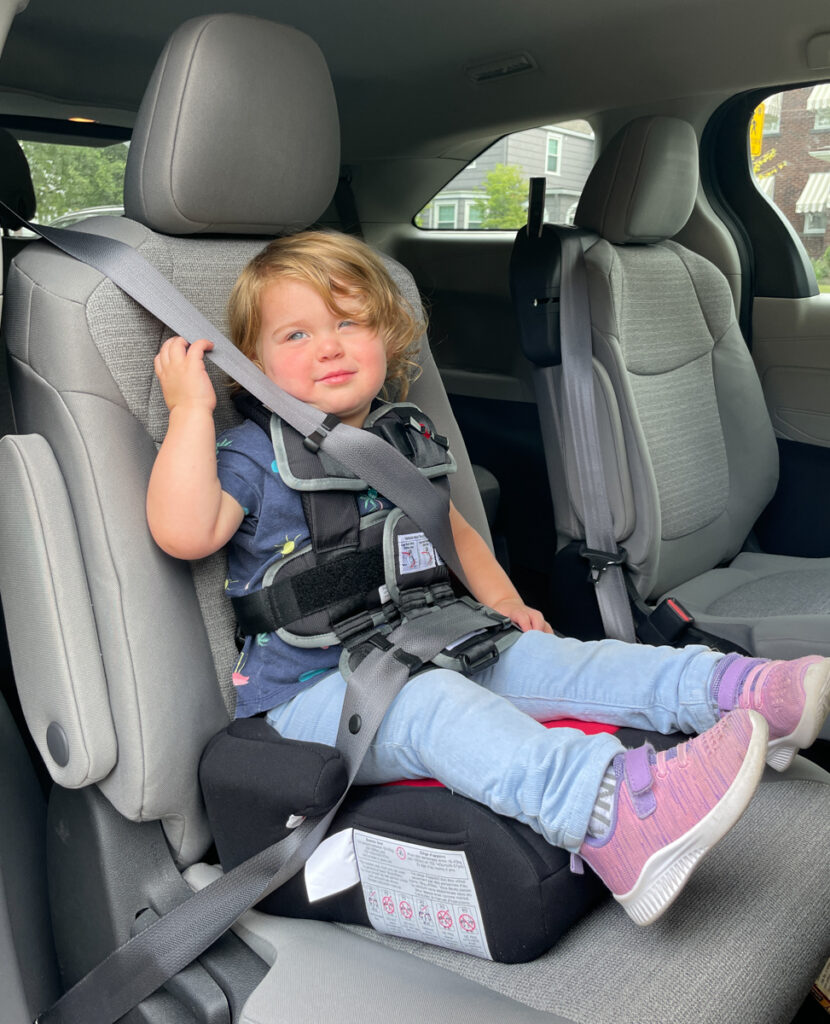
[16,188]
[644,184]
[238,132]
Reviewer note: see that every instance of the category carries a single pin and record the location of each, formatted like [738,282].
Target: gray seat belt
[601,548]
[368,456]
[144,963]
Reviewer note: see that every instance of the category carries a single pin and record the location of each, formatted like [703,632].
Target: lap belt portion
[144,963]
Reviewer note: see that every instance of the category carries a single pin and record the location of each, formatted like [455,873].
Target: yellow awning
[819,98]
[816,194]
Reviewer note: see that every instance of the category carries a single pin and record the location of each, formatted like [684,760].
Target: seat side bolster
[52,633]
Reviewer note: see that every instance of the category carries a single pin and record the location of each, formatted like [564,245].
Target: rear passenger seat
[122,730]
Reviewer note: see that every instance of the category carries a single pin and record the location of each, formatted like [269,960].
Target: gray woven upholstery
[194,165]
[82,377]
[708,961]
[700,459]
[643,187]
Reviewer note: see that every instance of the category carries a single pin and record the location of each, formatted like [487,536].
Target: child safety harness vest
[361,576]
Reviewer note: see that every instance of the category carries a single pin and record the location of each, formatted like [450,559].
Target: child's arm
[489,583]
[189,514]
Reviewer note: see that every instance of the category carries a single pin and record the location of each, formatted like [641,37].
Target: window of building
[772,114]
[554,154]
[822,120]
[445,214]
[815,223]
[490,194]
[472,213]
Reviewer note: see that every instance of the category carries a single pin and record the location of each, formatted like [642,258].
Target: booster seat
[117,648]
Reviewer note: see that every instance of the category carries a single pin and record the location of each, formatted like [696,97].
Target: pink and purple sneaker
[793,696]
[672,807]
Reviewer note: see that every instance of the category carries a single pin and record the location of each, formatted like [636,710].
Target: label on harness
[416,553]
[419,892]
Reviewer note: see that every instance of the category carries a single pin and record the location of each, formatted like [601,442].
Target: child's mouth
[337,378]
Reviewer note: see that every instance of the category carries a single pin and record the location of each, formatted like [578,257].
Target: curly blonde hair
[340,268]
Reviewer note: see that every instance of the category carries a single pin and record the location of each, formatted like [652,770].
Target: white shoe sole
[666,872]
[781,751]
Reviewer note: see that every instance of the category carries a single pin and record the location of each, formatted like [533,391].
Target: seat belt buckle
[671,619]
[600,561]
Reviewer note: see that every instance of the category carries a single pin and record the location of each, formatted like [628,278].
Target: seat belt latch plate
[600,561]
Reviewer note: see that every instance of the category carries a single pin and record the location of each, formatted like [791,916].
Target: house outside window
[491,192]
[554,154]
[791,165]
[772,114]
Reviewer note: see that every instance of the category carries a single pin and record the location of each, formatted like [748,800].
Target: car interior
[711,343]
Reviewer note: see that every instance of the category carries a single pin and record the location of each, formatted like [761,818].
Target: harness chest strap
[359,576]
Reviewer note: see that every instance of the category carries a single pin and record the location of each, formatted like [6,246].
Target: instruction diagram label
[419,892]
[416,553]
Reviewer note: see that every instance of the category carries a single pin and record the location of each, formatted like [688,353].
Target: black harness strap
[288,600]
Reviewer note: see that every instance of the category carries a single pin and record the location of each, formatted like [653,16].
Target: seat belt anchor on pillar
[600,561]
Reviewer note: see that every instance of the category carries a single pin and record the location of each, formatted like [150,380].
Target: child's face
[333,363]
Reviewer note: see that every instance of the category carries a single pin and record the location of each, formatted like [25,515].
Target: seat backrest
[237,139]
[678,390]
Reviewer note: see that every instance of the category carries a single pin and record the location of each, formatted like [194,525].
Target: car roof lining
[421,93]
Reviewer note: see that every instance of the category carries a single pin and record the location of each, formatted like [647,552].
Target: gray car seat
[690,457]
[118,650]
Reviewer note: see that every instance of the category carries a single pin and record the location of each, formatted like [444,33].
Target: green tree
[821,265]
[68,178]
[504,203]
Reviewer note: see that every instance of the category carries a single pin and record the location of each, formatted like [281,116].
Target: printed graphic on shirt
[416,553]
[371,501]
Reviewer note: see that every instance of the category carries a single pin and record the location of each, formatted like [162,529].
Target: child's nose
[329,345]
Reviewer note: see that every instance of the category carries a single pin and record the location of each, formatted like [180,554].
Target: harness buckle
[599,561]
[478,657]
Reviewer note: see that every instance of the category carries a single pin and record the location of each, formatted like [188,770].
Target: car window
[789,140]
[490,194]
[74,182]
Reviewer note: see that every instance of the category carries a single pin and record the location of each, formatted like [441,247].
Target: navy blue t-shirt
[269,671]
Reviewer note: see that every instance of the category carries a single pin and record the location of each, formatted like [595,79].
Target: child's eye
[296,336]
[347,323]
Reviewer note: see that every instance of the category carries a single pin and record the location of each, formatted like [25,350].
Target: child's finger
[198,348]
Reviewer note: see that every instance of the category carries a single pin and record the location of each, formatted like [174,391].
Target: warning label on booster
[419,892]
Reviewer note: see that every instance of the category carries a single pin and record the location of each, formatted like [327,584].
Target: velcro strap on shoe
[638,778]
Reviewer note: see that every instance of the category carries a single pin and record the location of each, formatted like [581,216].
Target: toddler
[320,315]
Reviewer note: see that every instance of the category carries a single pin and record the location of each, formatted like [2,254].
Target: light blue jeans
[481,738]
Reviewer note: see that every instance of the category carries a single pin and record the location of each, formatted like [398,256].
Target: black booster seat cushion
[255,782]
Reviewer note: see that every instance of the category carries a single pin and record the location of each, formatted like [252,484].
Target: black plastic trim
[81,131]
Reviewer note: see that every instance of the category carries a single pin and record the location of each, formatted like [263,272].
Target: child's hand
[181,371]
[522,616]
